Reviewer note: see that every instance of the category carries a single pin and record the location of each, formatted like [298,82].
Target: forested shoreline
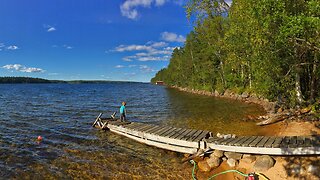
[268,48]
[21,80]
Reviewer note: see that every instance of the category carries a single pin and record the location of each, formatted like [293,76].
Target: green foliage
[267,47]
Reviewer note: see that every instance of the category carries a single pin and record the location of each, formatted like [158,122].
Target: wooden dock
[191,141]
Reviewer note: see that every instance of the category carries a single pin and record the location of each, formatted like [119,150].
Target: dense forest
[267,47]
[14,80]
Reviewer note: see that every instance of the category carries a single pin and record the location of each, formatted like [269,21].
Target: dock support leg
[98,118]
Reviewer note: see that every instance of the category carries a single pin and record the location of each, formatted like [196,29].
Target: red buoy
[39,138]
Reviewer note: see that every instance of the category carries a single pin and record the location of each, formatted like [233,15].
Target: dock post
[98,118]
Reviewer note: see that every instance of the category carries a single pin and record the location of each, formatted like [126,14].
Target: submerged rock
[232,162]
[233,155]
[213,162]
[263,163]
[247,158]
[217,153]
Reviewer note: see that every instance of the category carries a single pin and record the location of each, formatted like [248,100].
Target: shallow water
[62,114]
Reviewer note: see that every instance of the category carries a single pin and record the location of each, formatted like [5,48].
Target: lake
[63,113]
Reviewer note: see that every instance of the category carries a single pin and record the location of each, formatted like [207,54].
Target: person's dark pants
[122,117]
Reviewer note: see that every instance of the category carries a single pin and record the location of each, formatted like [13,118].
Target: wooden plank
[235,140]
[277,142]
[160,130]
[194,135]
[256,141]
[285,142]
[164,130]
[178,133]
[180,149]
[133,125]
[139,128]
[263,141]
[168,132]
[247,142]
[269,143]
[212,139]
[300,141]
[174,132]
[183,134]
[227,141]
[239,143]
[96,119]
[201,136]
[152,129]
[293,142]
[187,136]
[146,128]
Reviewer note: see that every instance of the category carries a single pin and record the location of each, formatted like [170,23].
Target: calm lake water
[63,113]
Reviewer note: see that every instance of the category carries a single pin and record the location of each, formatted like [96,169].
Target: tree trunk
[313,79]
[298,89]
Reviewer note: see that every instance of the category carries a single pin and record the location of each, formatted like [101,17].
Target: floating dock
[191,141]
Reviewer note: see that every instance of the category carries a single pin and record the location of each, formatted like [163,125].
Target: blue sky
[125,40]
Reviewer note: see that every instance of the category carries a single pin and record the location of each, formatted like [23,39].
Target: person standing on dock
[123,111]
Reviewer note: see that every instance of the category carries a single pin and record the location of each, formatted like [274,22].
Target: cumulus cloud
[172,37]
[129,7]
[49,28]
[133,47]
[13,47]
[21,68]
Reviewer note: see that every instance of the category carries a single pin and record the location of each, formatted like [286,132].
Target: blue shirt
[122,109]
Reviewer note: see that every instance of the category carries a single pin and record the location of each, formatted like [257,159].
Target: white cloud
[21,68]
[67,47]
[119,66]
[133,47]
[13,47]
[49,28]
[132,65]
[129,7]
[146,69]
[2,45]
[172,37]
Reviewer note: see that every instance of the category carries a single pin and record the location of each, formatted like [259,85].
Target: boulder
[217,153]
[247,158]
[232,162]
[203,166]
[233,155]
[213,162]
[263,163]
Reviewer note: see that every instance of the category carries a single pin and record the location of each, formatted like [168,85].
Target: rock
[233,155]
[217,153]
[213,162]
[232,162]
[216,93]
[312,169]
[244,95]
[203,166]
[247,158]
[224,159]
[219,135]
[227,136]
[263,163]
[280,110]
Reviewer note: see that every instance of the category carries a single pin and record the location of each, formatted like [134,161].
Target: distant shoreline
[30,80]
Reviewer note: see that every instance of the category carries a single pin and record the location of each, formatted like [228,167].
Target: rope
[223,172]
[227,171]
[193,169]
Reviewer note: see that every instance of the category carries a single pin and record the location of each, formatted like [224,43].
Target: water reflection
[62,114]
